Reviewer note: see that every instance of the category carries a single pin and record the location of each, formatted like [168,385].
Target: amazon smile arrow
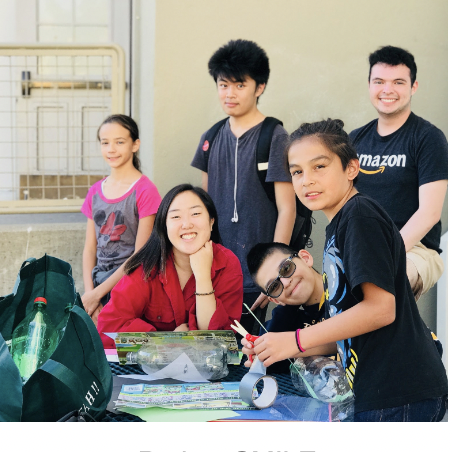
[379,170]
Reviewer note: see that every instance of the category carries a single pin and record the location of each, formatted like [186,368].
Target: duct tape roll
[249,382]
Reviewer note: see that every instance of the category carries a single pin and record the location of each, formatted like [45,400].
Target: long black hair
[128,123]
[157,249]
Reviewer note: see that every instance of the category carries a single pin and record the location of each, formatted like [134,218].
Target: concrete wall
[318,58]
[18,242]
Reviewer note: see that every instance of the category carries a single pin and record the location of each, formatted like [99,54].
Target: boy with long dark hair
[387,351]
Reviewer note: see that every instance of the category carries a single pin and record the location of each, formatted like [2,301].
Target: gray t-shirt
[256,215]
[116,220]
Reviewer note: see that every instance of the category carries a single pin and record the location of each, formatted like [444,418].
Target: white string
[235,218]
[28,241]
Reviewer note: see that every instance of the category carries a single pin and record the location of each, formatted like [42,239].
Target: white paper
[181,369]
[113,358]
[111,335]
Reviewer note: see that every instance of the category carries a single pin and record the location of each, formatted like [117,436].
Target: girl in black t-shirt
[387,351]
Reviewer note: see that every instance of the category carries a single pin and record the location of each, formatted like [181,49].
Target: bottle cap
[40,300]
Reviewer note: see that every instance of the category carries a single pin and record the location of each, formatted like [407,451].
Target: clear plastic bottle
[34,340]
[326,378]
[61,328]
[209,357]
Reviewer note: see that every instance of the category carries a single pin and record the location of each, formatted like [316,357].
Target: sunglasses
[286,270]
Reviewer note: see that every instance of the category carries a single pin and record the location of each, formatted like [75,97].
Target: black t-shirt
[397,364]
[291,318]
[393,167]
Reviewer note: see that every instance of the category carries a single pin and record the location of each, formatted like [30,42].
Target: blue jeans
[428,410]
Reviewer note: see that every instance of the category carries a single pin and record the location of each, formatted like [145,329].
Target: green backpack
[77,376]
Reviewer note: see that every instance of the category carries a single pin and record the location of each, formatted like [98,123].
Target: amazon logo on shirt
[380,162]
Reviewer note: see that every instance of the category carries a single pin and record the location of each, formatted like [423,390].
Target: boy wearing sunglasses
[288,279]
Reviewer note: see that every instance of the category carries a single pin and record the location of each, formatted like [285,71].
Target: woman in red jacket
[182,279]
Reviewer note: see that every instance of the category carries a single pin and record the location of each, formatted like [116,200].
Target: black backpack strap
[263,152]
[303,225]
[210,136]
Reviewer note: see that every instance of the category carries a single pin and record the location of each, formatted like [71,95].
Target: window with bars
[52,100]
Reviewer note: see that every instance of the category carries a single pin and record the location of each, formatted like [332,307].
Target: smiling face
[117,145]
[318,178]
[297,288]
[188,223]
[390,89]
[238,98]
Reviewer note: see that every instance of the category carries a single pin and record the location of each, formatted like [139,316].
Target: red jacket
[159,304]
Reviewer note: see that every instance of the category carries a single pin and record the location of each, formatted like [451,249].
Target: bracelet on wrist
[302,350]
[207,293]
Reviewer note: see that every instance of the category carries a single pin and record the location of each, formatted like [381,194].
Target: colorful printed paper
[183,396]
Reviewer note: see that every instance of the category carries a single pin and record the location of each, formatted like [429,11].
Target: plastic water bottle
[34,340]
[61,328]
[209,357]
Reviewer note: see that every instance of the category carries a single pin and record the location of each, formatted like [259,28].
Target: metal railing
[52,101]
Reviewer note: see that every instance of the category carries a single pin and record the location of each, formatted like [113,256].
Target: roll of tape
[249,382]
[268,394]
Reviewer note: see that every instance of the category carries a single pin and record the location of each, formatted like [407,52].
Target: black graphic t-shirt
[292,318]
[399,363]
[393,167]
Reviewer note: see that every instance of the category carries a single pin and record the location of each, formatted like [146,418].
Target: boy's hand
[247,349]
[273,347]
[261,302]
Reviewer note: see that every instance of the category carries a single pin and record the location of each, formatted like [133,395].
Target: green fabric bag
[77,375]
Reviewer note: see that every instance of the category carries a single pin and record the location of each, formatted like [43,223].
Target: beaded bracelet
[208,293]
[298,342]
